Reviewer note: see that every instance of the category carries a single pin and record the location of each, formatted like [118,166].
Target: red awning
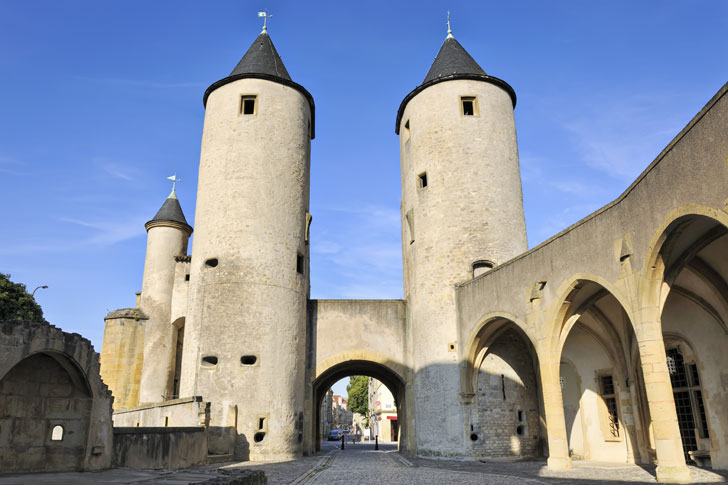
[393,418]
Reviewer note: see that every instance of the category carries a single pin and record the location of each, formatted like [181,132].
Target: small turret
[167,236]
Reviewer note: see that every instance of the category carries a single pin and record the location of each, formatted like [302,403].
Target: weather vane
[174,180]
[449,31]
[265,19]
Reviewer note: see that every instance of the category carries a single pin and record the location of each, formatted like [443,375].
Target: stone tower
[167,236]
[244,344]
[462,213]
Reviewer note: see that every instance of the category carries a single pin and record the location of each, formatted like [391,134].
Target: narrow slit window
[299,264]
[469,105]
[407,131]
[248,104]
[422,180]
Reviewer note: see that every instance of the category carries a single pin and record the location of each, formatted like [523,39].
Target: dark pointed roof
[171,211]
[262,58]
[453,62]
[452,59]
[262,61]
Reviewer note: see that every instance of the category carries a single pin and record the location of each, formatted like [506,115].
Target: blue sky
[102,100]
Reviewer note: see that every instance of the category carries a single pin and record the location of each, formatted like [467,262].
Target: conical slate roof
[262,58]
[261,61]
[170,211]
[452,59]
[452,62]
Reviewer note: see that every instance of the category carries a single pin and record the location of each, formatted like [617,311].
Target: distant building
[342,415]
[327,415]
[382,413]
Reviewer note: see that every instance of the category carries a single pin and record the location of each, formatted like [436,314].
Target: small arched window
[57,433]
[480,267]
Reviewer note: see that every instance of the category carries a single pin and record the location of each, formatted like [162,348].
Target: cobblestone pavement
[359,463]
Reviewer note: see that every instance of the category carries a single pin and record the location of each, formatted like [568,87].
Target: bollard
[376,442]
[343,437]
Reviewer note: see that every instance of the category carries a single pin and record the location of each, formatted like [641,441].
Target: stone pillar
[554,409]
[671,465]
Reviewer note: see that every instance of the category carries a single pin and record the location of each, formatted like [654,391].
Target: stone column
[554,409]
[671,465]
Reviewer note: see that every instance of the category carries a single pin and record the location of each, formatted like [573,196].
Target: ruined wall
[154,448]
[122,355]
[50,378]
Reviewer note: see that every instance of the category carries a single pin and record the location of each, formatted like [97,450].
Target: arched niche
[48,404]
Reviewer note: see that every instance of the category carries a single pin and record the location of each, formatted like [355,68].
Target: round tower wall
[164,242]
[471,209]
[249,278]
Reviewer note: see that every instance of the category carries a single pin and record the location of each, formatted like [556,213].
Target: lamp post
[44,287]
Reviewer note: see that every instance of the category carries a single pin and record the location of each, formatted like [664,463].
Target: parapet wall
[170,448]
[183,412]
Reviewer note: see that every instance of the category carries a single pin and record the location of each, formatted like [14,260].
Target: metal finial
[265,20]
[449,31]
[174,180]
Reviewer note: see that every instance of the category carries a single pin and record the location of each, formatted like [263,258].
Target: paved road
[359,463]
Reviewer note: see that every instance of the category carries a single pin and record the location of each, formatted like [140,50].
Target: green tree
[16,303]
[358,391]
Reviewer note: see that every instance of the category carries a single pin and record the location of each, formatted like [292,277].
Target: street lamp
[45,287]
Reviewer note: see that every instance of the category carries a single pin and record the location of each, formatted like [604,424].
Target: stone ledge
[161,404]
[159,430]
[134,313]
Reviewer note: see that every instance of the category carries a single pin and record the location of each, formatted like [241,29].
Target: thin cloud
[142,83]
[119,171]
[103,234]
[620,138]
[359,254]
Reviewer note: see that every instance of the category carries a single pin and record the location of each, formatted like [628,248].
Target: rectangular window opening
[610,400]
[422,180]
[299,264]
[248,104]
[261,423]
[469,105]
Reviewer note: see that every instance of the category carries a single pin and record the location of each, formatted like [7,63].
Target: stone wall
[169,448]
[122,354]
[184,412]
[55,412]
[505,419]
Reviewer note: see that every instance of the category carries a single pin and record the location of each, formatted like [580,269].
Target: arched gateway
[385,373]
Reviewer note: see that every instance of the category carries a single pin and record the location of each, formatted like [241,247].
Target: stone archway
[394,381]
[686,287]
[47,404]
[593,340]
[500,383]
